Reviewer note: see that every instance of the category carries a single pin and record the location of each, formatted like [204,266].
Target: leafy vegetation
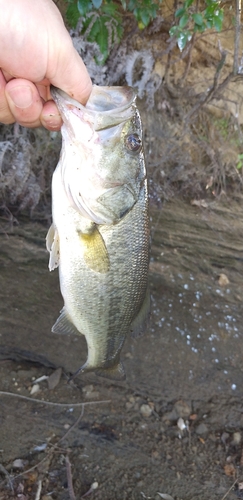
[191,20]
[102,20]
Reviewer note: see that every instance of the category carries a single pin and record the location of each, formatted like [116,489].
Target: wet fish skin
[100,232]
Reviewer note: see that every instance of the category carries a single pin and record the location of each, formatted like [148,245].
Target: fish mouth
[106,106]
[91,135]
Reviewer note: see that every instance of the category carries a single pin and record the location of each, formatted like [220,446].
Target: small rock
[236,438]
[129,405]
[89,392]
[225,436]
[165,496]
[181,424]
[18,463]
[223,280]
[201,429]
[146,410]
[34,389]
[54,379]
[182,409]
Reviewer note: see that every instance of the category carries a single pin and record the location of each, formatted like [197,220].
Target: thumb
[71,74]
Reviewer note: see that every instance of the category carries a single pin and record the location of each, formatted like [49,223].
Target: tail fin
[115,372]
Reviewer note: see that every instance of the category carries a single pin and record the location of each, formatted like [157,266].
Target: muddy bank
[188,365]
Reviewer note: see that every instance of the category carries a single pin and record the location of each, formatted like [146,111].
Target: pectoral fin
[64,325]
[52,245]
[139,324]
[95,252]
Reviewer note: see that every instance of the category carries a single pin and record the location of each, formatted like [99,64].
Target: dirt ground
[174,428]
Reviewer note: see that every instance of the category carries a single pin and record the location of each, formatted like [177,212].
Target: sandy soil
[173,429]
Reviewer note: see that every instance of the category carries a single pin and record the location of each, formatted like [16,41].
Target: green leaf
[180,12]
[209,24]
[201,28]
[132,4]
[182,39]
[183,20]
[198,19]
[188,3]
[145,17]
[174,31]
[72,15]
[102,37]
[110,9]
[97,3]
[84,6]
[217,23]
[94,31]
[124,4]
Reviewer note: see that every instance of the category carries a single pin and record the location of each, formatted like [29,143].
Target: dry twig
[38,493]
[229,490]
[5,472]
[42,401]
[69,479]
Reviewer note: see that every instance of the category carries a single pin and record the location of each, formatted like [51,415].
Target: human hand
[35,52]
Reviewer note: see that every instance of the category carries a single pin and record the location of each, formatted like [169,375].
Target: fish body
[99,238]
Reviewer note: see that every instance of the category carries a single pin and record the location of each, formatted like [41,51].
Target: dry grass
[27,160]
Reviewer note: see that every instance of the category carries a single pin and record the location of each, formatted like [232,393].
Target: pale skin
[35,52]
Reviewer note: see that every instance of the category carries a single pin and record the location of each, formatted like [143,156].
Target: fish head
[102,163]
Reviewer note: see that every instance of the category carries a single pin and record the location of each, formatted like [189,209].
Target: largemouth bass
[100,232]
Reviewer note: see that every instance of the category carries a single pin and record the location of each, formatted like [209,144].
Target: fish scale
[103,268]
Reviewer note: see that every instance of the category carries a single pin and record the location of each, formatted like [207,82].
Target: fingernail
[21,96]
[52,122]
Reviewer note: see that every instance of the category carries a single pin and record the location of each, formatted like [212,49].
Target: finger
[24,102]
[71,74]
[50,117]
[6,116]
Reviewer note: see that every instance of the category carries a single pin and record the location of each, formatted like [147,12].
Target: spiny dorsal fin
[95,252]
[52,245]
[64,325]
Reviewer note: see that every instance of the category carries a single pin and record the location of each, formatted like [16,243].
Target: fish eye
[133,142]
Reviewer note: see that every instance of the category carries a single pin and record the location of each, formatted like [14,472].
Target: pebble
[236,438]
[146,410]
[223,280]
[90,392]
[34,389]
[18,463]
[181,424]
[201,429]
[181,409]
